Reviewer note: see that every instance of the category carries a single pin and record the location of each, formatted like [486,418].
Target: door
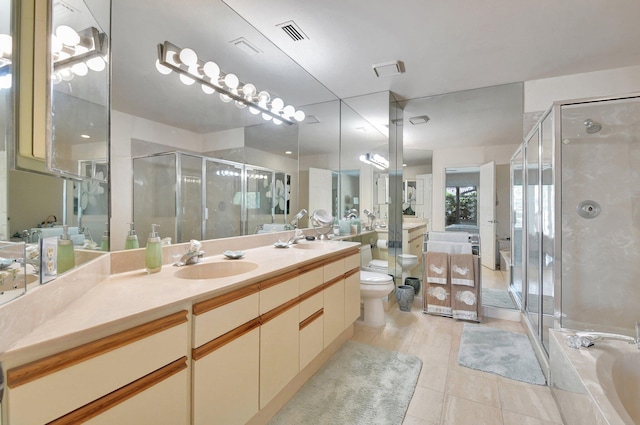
[487,216]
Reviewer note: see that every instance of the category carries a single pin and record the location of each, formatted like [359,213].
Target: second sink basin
[215,270]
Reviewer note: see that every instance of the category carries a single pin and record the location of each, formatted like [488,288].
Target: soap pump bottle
[66,258]
[104,245]
[132,239]
[153,251]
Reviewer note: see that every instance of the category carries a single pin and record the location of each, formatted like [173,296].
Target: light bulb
[207,89]
[56,78]
[67,35]
[162,69]
[266,117]
[211,70]
[277,104]
[253,110]
[299,116]
[288,111]
[186,80]
[240,105]
[225,98]
[172,58]
[80,69]
[56,44]
[231,81]
[277,121]
[97,64]
[80,49]
[188,57]
[6,45]
[66,74]
[264,97]
[63,55]
[249,90]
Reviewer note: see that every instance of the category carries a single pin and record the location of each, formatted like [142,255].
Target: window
[461,205]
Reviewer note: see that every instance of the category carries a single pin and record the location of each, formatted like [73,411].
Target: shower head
[592,127]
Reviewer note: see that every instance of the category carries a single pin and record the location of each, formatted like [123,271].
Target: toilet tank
[365,255]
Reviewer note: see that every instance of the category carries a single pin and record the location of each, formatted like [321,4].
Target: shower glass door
[190,195]
[517,222]
[547,225]
[532,220]
[223,199]
[259,198]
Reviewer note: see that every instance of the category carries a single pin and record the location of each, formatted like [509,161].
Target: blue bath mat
[504,353]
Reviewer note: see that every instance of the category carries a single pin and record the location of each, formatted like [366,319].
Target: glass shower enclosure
[196,197]
[575,227]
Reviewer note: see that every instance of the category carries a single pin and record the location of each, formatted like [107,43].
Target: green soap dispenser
[153,251]
[66,257]
[132,239]
[104,245]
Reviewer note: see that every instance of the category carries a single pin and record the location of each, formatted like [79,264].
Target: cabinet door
[351,297]
[311,327]
[225,382]
[333,310]
[279,345]
[166,403]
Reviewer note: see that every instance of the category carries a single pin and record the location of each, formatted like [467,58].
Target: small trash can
[415,282]
[405,294]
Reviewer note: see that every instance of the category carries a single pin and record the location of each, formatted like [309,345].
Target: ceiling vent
[293,30]
[244,45]
[61,9]
[388,69]
[422,119]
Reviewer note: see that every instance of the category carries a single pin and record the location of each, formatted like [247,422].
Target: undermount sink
[215,270]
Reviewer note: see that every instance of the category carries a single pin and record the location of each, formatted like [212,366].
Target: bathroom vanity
[223,341]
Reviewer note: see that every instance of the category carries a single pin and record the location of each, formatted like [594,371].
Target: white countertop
[125,296]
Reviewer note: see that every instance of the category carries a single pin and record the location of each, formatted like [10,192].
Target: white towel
[449,236]
[462,269]
[449,247]
[436,267]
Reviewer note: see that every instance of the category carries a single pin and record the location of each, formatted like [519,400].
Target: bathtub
[595,385]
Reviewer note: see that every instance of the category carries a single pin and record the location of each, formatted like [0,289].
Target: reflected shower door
[223,200]
[259,198]
[190,204]
[532,218]
[517,217]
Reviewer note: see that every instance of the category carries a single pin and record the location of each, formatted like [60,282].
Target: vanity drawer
[217,316]
[333,269]
[73,378]
[311,337]
[310,303]
[311,277]
[352,262]
[277,291]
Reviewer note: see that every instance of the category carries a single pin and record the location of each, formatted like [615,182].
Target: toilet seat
[374,278]
[380,265]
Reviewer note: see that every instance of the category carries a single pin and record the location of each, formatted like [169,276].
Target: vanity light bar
[185,62]
[376,160]
[75,53]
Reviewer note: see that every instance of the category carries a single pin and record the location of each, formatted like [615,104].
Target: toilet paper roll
[382,244]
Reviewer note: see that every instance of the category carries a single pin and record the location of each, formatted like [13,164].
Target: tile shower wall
[600,273]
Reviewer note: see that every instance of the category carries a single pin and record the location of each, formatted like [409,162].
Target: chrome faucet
[595,336]
[296,237]
[193,255]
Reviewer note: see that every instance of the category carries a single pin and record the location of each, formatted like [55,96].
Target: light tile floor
[447,393]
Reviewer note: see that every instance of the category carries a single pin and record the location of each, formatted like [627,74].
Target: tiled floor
[447,393]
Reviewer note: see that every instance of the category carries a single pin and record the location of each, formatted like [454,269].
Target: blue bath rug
[504,353]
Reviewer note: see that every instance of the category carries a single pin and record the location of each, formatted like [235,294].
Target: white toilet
[374,286]
[407,262]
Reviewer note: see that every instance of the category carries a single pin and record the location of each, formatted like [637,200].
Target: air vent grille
[293,31]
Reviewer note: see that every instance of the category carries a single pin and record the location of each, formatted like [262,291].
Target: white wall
[540,94]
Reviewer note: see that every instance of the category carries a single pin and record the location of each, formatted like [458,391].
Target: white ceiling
[445,46]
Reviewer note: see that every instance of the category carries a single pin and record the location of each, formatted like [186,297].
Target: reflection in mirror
[154,113]
[458,130]
[6,108]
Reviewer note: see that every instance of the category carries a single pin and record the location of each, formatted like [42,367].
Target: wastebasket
[405,294]
[415,282]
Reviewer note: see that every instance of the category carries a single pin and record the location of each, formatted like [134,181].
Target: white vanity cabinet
[226,339]
[311,324]
[279,334]
[341,295]
[139,375]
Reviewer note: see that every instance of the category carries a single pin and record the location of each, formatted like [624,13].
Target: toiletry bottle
[132,239]
[66,257]
[153,251]
[104,246]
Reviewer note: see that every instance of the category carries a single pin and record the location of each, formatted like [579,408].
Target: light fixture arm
[167,46]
